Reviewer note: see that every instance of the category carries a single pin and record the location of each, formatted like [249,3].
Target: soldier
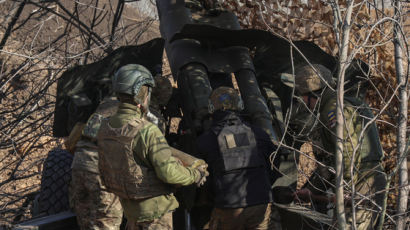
[369,177]
[135,159]
[95,207]
[238,158]
[160,97]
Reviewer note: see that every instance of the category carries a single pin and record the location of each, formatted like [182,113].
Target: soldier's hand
[203,172]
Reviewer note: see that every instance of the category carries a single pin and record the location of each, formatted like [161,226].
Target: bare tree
[342,25]
[371,31]
[402,81]
[40,40]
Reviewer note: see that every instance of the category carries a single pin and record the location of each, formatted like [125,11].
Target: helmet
[225,98]
[162,92]
[130,78]
[307,80]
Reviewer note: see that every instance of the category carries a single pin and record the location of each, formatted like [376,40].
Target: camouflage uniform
[95,207]
[151,150]
[159,98]
[162,223]
[369,176]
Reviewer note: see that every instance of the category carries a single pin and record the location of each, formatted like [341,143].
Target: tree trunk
[343,63]
[402,120]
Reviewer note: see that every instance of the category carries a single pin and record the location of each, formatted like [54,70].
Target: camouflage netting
[370,40]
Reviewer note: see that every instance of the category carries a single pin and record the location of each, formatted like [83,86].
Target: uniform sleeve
[167,168]
[351,134]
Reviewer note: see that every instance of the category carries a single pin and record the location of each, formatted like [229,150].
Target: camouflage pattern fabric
[94,206]
[225,98]
[160,96]
[369,177]
[307,79]
[151,150]
[92,127]
[154,116]
[130,78]
[366,214]
[162,91]
[256,217]
[85,157]
[162,223]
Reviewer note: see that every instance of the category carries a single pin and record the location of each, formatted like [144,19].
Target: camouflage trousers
[95,208]
[258,217]
[162,223]
[367,214]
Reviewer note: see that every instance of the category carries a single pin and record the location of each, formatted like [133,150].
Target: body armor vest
[237,145]
[119,171]
[240,174]
[371,149]
[86,149]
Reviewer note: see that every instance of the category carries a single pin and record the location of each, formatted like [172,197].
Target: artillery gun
[205,50]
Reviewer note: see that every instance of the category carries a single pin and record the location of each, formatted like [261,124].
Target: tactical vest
[371,149]
[237,146]
[86,149]
[119,171]
[237,167]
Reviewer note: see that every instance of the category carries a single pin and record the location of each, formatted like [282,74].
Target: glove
[202,170]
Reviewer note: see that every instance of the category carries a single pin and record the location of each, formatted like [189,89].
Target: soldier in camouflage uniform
[135,159]
[95,207]
[369,177]
[161,94]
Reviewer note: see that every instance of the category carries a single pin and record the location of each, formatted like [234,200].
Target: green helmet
[225,98]
[130,78]
[307,80]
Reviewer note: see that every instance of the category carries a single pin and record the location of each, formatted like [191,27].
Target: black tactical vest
[240,176]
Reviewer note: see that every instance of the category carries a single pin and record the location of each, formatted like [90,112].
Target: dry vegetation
[46,39]
[371,40]
[51,36]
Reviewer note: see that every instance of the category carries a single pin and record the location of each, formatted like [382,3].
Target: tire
[55,180]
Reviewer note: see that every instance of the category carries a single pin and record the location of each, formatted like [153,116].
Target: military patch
[332,119]
[93,125]
[230,141]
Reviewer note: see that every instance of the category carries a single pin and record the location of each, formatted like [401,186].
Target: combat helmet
[225,98]
[307,79]
[129,80]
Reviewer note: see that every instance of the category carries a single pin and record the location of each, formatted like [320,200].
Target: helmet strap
[211,108]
